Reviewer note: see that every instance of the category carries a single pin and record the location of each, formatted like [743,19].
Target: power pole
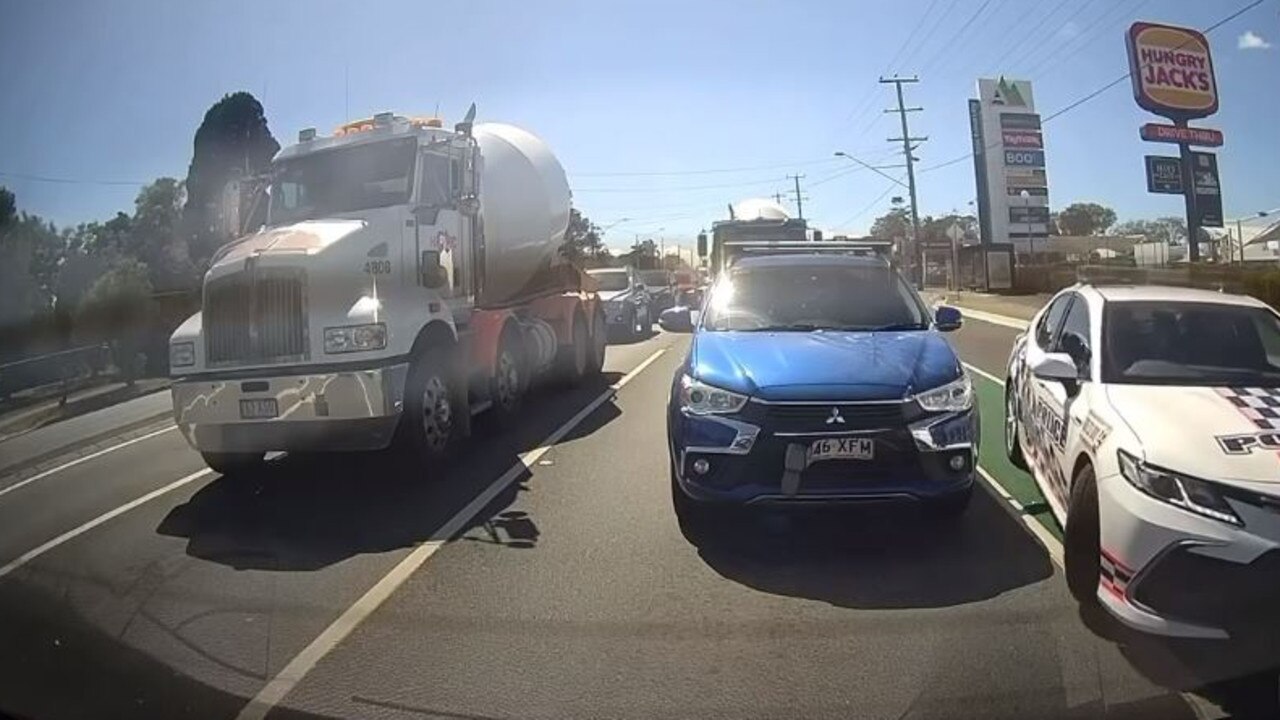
[917,248]
[799,200]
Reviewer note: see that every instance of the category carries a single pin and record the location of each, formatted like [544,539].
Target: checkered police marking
[1260,405]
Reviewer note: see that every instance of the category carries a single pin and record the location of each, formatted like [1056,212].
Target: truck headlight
[182,354]
[700,398]
[1190,494]
[355,338]
[955,396]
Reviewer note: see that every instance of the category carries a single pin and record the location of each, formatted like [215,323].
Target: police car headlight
[1190,494]
[700,398]
[955,396]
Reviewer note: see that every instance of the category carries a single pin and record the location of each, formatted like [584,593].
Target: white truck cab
[396,277]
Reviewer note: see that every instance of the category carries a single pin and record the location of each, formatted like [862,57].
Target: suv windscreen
[814,297]
[340,181]
[611,281]
[1164,343]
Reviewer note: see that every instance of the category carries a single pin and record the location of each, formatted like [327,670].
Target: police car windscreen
[821,297]
[1190,344]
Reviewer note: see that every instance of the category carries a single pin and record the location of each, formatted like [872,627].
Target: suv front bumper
[343,410]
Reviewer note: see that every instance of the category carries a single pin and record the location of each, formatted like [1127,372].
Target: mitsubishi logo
[835,418]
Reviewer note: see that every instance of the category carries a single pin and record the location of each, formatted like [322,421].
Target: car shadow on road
[309,512]
[1240,677]
[618,337]
[880,557]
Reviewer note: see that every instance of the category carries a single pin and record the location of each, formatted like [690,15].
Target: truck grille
[256,316]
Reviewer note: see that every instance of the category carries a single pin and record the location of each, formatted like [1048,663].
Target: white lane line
[41,475]
[297,668]
[76,532]
[1042,534]
[984,373]
[994,319]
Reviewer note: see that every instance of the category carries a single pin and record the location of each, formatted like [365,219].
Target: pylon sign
[1009,162]
[1172,71]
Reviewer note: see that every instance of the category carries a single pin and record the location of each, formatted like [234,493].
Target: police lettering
[1244,443]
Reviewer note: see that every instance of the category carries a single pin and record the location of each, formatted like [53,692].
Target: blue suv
[818,379]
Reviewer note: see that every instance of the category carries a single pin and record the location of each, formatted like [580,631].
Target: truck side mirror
[702,244]
[469,205]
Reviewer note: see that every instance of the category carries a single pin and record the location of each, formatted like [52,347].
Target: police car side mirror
[1056,366]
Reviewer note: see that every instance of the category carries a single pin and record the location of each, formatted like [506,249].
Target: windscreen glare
[814,297]
[341,181]
[1163,343]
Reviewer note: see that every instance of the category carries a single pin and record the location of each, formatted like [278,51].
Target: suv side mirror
[676,320]
[947,318]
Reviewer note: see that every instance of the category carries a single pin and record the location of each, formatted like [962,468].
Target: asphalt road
[325,586]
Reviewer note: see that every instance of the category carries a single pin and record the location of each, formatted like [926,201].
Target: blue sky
[98,91]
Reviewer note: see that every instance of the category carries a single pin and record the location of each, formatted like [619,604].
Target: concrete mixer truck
[408,277]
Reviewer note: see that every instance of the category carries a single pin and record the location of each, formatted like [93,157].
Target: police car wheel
[1081,538]
[1012,447]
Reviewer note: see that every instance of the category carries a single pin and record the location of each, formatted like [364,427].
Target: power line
[675,188]
[868,208]
[70,181]
[959,33]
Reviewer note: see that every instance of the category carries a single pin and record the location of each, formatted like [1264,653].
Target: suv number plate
[258,409]
[842,449]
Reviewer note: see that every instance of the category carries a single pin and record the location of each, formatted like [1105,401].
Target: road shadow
[619,337]
[1241,677]
[879,557]
[309,512]
[56,663]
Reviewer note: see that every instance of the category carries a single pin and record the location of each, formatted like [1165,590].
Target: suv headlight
[955,396]
[1188,493]
[182,354]
[700,398]
[355,338]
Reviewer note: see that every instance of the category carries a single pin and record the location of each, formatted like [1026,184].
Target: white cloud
[1253,41]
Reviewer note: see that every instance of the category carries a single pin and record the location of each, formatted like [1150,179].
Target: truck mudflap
[347,410]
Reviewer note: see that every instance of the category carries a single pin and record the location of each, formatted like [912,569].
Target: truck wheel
[507,385]
[1012,447]
[599,341]
[1082,543]
[234,463]
[571,362]
[429,408]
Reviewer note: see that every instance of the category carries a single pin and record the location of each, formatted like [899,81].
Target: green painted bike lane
[991,457]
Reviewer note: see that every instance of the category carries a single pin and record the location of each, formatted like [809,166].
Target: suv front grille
[813,417]
[255,316]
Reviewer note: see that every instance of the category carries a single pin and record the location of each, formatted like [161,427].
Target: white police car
[1150,418]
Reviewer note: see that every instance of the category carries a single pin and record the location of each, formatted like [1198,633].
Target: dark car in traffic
[818,380]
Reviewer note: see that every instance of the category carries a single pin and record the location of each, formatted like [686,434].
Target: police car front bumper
[1168,571]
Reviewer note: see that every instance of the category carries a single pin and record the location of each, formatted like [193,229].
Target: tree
[643,255]
[583,241]
[1081,219]
[8,207]
[892,225]
[232,143]
[1168,230]
[117,310]
[155,238]
[935,229]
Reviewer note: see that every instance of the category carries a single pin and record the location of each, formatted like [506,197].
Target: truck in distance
[408,277]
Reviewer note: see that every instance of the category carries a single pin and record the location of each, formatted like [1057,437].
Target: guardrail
[63,367]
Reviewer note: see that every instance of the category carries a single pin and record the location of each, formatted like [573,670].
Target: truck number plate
[842,449]
[258,409]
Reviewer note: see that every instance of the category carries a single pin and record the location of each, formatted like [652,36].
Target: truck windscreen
[341,181]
